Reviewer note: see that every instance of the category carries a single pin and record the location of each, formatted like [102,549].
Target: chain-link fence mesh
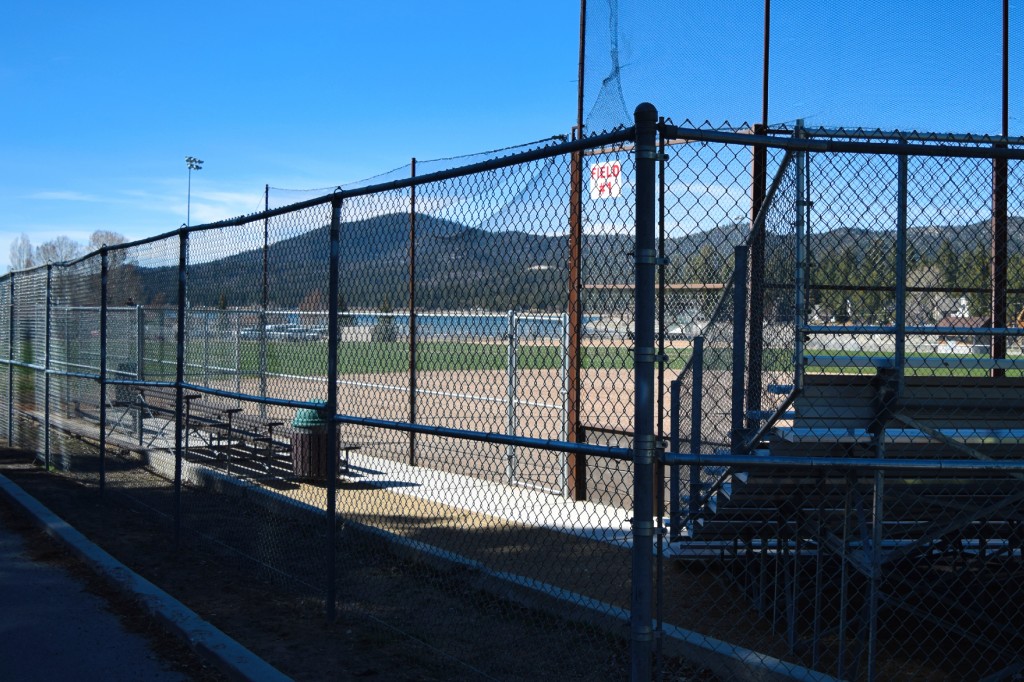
[75,397]
[141,360]
[29,343]
[838,334]
[876,323]
[7,354]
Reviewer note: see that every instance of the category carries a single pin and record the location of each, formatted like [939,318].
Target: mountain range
[461,267]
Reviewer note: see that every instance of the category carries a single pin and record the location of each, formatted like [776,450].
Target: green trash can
[309,446]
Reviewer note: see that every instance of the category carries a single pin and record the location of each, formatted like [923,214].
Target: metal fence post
[103,368]
[739,354]
[140,342]
[755,353]
[332,408]
[264,305]
[179,379]
[577,463]
[564,377]
[10,368]
[801,279]
[696,415]
[412,315]
[140,358]
[511,388]
[645,252]
[901,271]
[998,278]
[160,354]
[238,352]
[206,348]
[673,445]
[67,359]
[46,369]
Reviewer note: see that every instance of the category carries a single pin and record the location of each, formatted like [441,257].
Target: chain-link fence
[796,354]
[386,369]
[848,500]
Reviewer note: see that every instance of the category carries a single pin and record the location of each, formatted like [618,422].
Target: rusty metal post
[577,463]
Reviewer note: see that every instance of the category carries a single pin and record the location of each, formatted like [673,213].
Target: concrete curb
[224,653]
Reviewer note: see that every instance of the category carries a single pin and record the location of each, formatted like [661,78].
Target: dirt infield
[475,401]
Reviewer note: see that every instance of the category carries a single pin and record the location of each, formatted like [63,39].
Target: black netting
[832,65]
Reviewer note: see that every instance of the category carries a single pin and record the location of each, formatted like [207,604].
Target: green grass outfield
[308,358]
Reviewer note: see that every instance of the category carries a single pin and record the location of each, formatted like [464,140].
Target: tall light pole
[193,164]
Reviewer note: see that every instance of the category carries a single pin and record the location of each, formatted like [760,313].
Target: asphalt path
[52,628]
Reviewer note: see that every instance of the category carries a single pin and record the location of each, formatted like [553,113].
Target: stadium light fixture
[193,164]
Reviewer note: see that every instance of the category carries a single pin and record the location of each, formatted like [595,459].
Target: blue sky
[103,100]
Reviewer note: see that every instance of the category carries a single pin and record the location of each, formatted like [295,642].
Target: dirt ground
[388,625]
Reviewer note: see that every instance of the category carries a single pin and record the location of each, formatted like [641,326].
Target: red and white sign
[605,180]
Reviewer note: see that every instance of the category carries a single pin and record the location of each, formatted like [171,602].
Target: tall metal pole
[764,62]
[580,69]
[645,251]
[755,351]
[103,368]
[1006,68]
[179,380]
[576,464]
[331,408]
[758,187]
[1000,238]
[412,315]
